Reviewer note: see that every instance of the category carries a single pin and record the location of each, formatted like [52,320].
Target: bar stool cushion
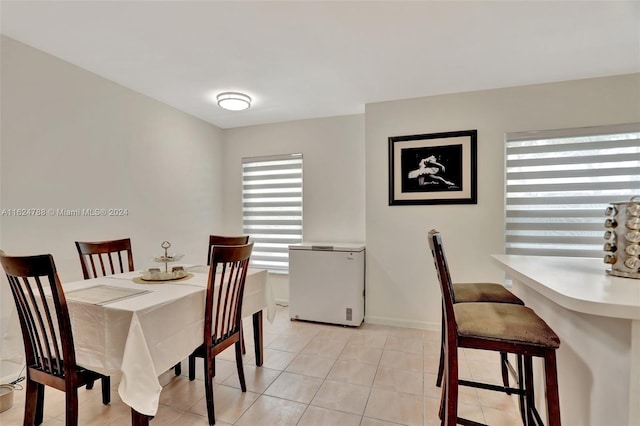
[504,322]
[484,292]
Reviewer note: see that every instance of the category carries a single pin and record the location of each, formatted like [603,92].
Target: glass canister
[622,235]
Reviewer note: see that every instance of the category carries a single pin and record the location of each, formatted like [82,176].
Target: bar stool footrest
[489,386]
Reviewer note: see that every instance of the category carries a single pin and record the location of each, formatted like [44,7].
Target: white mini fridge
[327,282]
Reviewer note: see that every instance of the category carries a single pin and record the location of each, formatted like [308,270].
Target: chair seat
[484,292]
[504,322]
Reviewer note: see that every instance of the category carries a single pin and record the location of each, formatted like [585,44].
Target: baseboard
[397,322]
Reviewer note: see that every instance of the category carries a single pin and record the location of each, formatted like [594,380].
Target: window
[272,208]
[559,183]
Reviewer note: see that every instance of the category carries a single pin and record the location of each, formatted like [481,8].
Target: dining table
[141,329]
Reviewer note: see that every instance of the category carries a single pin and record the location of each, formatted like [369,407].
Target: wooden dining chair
[221,240]
[48,339]
[223,314]
[500,327]
[104,254]
[102,258]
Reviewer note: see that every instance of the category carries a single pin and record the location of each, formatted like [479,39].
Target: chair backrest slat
[225,290]
[119,261]
[88,251]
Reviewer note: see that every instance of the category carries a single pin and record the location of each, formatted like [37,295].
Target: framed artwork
[434,168]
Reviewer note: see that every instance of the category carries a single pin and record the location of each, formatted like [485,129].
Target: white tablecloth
[146,334]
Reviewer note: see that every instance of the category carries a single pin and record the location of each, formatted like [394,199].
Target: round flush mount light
[233,101]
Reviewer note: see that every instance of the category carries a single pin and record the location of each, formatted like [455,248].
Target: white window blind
[272,208]
[559,183]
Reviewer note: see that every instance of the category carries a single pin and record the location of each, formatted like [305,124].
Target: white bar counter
[597,317]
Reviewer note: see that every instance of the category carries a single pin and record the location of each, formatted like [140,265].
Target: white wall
[401,283]
[72,139]
[333,176]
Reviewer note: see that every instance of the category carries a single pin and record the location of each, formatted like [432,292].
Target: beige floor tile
[92,413]
[303,329]
[257,379]
[431,347]
[488,371]
[14,415]
[268,337]
[406,333]
[166,415]
[395,407]
[368,326]
[431,363]
[54,401]
[368,421]
[50,421]
[394,379]
[431,336]
[268,410]
[430,388]
[464,372]
[337,333]
[275,359]
[404,344]
[370,339]
[468,395]
[471,412]
[501,418]
[310,365]
[497,400]
[289,343]
[190,419]
[316,416]
[323,347]
[229,403]
[431,409]
[403,360]
[361,354]
[342,397]
[467,411]
[352,372]
[182,394]
[294,387]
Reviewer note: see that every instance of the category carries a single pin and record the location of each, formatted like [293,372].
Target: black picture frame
[433,168]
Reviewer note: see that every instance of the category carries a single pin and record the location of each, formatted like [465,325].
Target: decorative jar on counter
[622,246]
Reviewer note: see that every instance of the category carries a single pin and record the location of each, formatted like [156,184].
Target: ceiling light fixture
[234,101]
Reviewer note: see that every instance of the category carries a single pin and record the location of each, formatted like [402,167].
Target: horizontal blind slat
[603,145]
[567,160]
[559,174]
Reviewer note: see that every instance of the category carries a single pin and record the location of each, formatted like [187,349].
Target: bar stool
[500,327]
[480,292]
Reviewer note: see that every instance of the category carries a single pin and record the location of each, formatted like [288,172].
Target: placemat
[102,294]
